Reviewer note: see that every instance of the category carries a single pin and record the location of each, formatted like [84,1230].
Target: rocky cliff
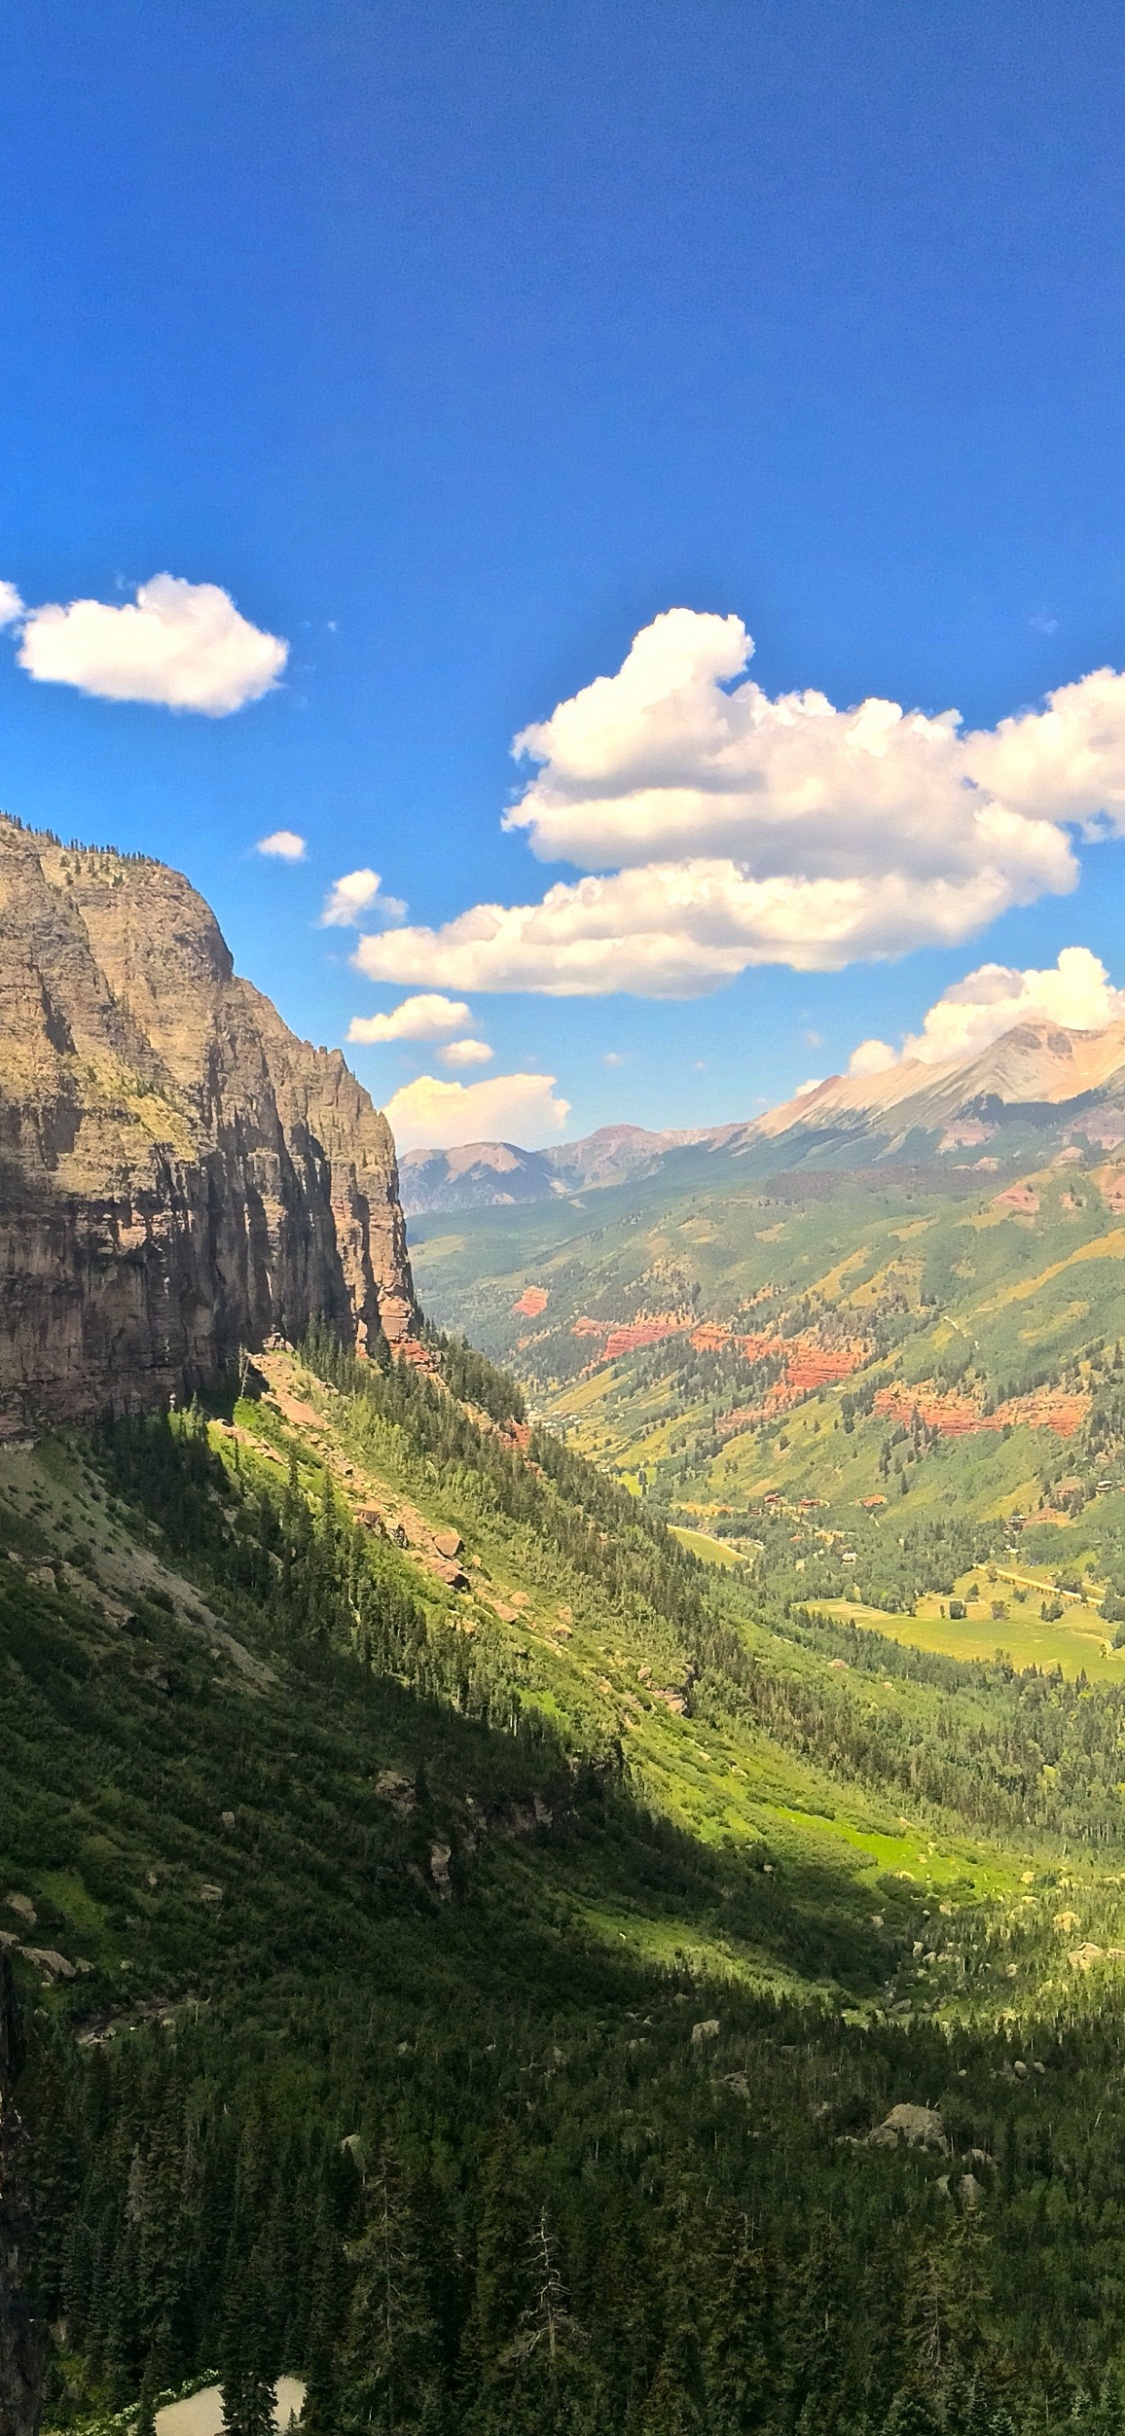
[20,2348]
[179,1175]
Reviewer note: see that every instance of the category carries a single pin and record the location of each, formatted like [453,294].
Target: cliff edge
[180,1176]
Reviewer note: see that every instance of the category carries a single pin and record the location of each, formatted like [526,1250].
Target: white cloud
[349,897]
[1076,993]
[284,843]
[181,644]
[433,1114]
[813,1084]
[872,1057]
[719,829]
[357,893]
[673,930]
[11,606]
[467,1053]
[427,1017]
[1063,763]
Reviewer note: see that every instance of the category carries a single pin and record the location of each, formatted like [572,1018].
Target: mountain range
[494,1175]
[1037,1089]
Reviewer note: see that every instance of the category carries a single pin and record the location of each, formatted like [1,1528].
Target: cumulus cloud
[1076,993]
[718,828]
[11,606]
[872,1057]
[349,897]
[427,1017]
[284,843]
[674,930]
[433,1114]
[359,892]
[181,644]
[467,1053]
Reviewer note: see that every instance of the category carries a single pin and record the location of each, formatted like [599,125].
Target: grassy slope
[130,1748]
[183,1723]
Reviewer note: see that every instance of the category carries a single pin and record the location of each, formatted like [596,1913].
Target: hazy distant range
[1038,1093]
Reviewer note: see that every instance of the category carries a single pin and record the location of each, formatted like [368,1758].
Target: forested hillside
[901,1396]
[484,1962]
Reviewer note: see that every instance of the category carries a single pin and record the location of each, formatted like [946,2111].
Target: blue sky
[457,343]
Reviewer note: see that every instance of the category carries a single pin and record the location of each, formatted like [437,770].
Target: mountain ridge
[1037,1080]
[479,1175]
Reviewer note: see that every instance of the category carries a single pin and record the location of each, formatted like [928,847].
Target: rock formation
[21,2361]
[179,1175]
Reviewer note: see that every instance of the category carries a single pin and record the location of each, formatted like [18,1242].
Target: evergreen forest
[516,1963]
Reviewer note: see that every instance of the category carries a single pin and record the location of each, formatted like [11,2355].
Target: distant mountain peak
[1055,1086]
[480,1175]
[1037,1068]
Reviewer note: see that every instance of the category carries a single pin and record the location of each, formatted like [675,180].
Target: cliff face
[179,1175]
[20,2349]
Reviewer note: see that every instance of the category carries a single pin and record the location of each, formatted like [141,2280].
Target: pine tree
[391,2356]
[943,2307]
[321,2415]
[815,2341]
[736,2313]
[145,2422]
[910,2415]
[246,2371]
[500,2285]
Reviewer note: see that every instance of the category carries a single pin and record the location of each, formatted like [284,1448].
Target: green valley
[835,1376]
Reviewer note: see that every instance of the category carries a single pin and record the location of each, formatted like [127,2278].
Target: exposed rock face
[179,1175]
[21,2359]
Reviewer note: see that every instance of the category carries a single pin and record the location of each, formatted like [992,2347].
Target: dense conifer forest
[490,2003]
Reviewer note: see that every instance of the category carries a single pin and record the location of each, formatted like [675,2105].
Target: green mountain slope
[870,1363]
[535,1930]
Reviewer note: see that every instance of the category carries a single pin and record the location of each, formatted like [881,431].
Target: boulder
[917,2126]
[48,1960]
[391,1786]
